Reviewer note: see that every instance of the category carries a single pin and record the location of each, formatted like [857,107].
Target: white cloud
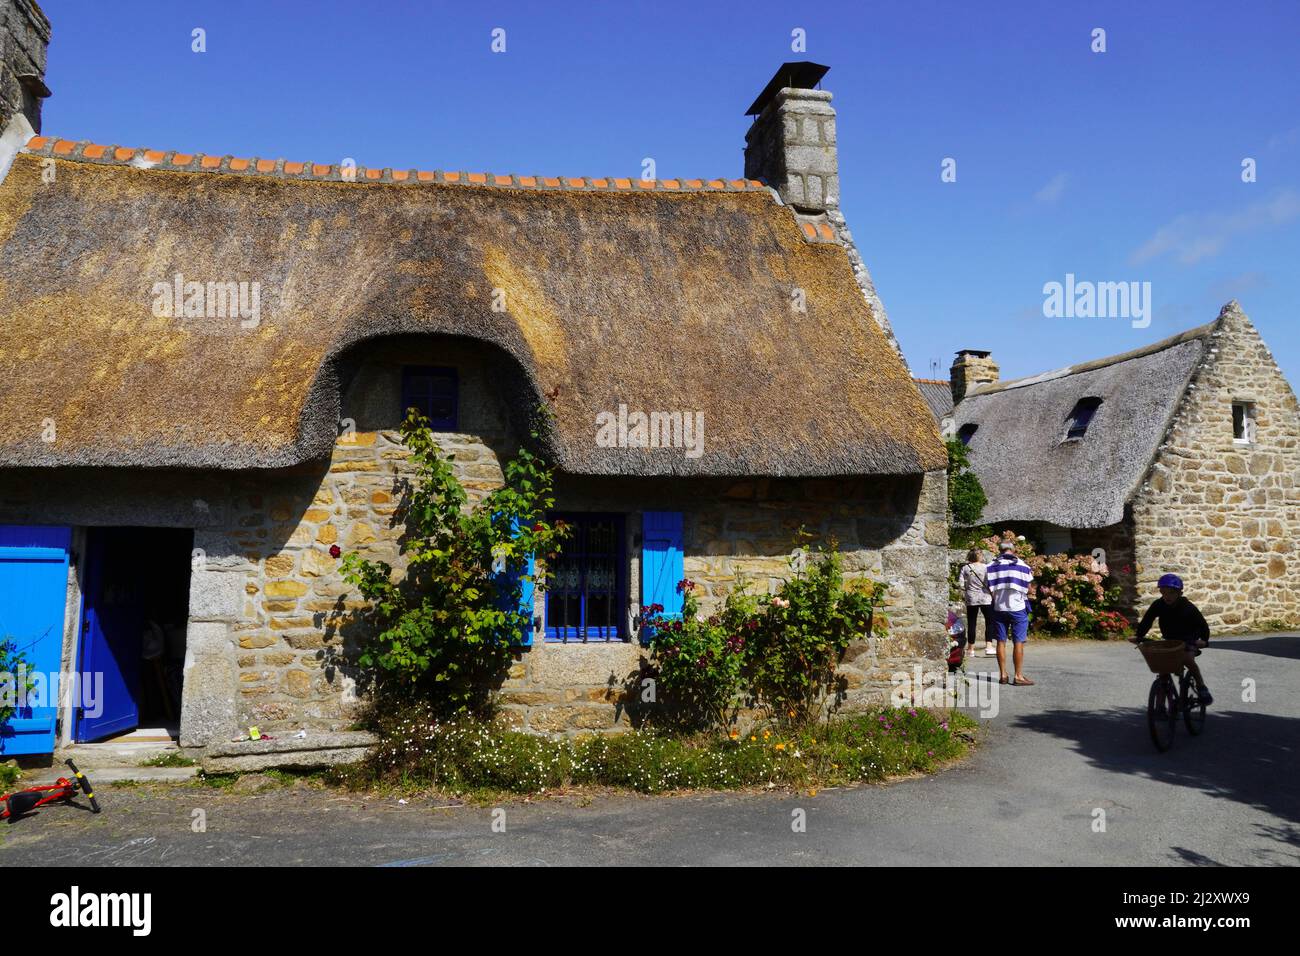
[1053,190]
[1191,237]
[1235,287]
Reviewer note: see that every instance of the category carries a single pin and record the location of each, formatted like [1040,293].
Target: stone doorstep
[123,754]
[99,776]
[315,750]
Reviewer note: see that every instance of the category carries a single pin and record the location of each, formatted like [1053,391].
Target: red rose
[335,550]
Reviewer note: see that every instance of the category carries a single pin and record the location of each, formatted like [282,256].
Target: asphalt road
[1054,756]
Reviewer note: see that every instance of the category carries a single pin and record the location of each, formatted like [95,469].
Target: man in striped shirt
[1009,580]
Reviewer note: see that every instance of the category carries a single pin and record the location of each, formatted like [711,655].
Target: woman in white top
[974,583]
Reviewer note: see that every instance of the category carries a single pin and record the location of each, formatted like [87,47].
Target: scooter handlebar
[84,783]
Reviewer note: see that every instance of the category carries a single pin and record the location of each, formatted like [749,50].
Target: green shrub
[14,681]
[9,774]
[698,661]
[802,632]
[445,629]
[775,652]
[966,497]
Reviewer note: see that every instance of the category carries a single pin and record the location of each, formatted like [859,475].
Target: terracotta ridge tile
[281,169]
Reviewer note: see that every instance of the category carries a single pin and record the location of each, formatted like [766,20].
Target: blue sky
[1115,166]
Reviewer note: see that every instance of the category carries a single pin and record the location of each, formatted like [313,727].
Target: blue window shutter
[661,562]
[526,601]
[521,574]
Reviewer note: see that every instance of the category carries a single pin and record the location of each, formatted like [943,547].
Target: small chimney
[971,369]
[24,36]
[791,145]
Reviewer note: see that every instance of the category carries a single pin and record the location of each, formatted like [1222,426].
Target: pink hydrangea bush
[1072,593]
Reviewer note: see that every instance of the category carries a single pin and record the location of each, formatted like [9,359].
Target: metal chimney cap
[802,75]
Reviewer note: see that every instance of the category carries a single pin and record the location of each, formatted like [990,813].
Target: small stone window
[1076,426]
[434,393]
[967,432]
[1243,423]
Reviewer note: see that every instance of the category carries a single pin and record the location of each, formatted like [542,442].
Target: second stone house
[1182,456]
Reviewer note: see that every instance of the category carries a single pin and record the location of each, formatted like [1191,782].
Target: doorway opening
[136,599]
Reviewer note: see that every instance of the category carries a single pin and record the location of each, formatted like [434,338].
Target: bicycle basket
[1164,657]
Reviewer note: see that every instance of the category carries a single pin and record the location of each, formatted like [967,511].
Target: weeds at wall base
[477,760]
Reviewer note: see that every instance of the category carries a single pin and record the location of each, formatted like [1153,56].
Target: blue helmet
[1170,581]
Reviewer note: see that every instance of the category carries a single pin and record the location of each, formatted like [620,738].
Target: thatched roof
[937,394]
[663,296]
[1028,470]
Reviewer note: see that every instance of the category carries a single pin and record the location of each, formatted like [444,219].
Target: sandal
[1004,680]
[1023,682]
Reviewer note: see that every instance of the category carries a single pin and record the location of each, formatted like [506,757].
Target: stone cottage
[205,360]
[1182,456]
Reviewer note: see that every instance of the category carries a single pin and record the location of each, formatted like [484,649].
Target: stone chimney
[791,145]
[970,369]
[24,36]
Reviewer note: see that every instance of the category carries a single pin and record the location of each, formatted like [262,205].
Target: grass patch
[218,781]
[478,758]
[280,777]
[9,775]
[171,758]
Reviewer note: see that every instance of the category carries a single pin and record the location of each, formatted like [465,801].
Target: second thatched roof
[1028,468]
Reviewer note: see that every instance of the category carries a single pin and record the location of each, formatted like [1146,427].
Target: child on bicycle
[1180,620]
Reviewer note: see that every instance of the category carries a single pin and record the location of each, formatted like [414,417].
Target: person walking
[973,580]
[1009,579]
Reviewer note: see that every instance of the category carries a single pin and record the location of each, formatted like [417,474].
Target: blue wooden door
[110,643]
[33,600]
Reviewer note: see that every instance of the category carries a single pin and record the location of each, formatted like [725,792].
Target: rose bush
[776,653]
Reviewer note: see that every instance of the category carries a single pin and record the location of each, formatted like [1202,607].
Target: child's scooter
[14,805]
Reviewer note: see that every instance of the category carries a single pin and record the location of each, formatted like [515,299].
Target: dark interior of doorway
[138,590]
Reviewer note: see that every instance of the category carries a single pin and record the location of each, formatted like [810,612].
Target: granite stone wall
[1225,515]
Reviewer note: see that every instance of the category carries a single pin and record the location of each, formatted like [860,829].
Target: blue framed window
[434,391]
[586,597]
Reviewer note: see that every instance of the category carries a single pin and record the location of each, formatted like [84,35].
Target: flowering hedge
[1072,593]
[777,653]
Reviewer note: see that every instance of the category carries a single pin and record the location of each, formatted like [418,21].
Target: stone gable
[1223,515]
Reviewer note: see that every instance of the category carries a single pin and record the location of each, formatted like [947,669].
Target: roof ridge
[1200,331]
[175,161]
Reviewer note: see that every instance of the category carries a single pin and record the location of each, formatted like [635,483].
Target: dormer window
[1243,423]
[967,432]
[1076,426]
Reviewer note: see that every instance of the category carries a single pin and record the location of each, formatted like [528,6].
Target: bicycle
[1165,703]
[22,802]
